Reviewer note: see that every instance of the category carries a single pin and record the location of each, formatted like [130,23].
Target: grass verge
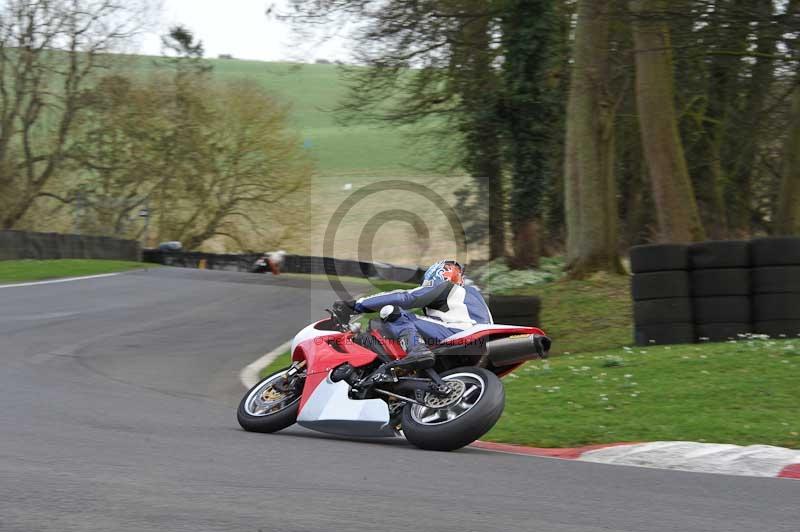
[281,362]
[741,392]
[15,271]
[585,316]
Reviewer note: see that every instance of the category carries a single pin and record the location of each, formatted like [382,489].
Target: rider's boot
[418,357]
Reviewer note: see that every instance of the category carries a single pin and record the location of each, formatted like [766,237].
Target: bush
[496,276]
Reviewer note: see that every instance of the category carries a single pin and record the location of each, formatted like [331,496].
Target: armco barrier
[514,310]
[508,310]
[292,264]
[15,245]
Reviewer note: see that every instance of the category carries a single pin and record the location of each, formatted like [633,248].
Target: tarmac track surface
[118,403]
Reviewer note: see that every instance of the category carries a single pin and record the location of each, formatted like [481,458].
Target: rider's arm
[424,296]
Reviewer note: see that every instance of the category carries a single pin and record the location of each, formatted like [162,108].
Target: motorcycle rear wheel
[265,409]
[456,425]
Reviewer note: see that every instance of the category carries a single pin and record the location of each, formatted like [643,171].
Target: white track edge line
[250,373]
[65,280]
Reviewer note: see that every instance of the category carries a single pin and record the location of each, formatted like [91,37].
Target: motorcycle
[347,382]
[271,261]
[261,265]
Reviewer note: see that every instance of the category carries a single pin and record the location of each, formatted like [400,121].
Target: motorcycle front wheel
[447,423]
[267,407]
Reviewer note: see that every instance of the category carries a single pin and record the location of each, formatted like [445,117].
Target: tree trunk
[744,151]
[590,189]
[672,189]
[788,219]
[478,85]
[530,38]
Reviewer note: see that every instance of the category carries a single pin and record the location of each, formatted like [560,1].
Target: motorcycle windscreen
[329,409]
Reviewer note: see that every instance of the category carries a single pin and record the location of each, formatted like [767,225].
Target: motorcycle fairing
[324,350]
[325,406]
[329,409]
[310,332]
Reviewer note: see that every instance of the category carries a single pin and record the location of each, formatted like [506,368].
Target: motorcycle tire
[280,419]
[433,429]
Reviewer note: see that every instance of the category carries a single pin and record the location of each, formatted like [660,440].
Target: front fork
[289,380]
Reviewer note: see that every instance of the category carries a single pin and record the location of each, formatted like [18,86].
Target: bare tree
[49,50]
[230,165]
[116,153]
[251,163]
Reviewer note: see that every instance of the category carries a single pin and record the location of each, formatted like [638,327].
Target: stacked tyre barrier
[720,286]
[715,290]
[515,310]
[776,286]
[662,305]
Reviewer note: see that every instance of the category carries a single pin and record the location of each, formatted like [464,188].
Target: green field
[742,392]
[15,271]
[312,91]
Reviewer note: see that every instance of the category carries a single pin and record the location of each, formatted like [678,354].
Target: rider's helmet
[444,270]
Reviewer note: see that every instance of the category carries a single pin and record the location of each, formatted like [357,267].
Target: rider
[449,306]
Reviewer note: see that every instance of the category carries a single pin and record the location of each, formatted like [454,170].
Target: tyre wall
[662,305]
[15,245]
[515,310]
[776,286]
[720,287]
[715,290]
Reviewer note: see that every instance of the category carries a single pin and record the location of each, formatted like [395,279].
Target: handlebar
[338,320]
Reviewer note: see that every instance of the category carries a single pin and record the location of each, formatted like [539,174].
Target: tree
[731,86]
[251,163]
[530,107]
[673,194]
[590,191]
[189,78]
[788,216]
[431,63]
[117,153]
[49,51]
[240,161]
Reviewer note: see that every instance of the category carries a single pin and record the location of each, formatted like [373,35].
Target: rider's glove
[343,310]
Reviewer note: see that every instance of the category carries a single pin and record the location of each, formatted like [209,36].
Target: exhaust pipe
[508,351]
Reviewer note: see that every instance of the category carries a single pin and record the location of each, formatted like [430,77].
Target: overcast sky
[240,28]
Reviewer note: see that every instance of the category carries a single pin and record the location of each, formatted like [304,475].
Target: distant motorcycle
[272,261]
[261,265]
[342,381]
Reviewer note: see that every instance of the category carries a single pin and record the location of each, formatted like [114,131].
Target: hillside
[312,90]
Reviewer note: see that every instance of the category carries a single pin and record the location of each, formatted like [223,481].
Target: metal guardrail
[16,245]
[243,262]
[510,310]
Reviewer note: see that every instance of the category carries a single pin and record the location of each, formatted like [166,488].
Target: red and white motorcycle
[342,381]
